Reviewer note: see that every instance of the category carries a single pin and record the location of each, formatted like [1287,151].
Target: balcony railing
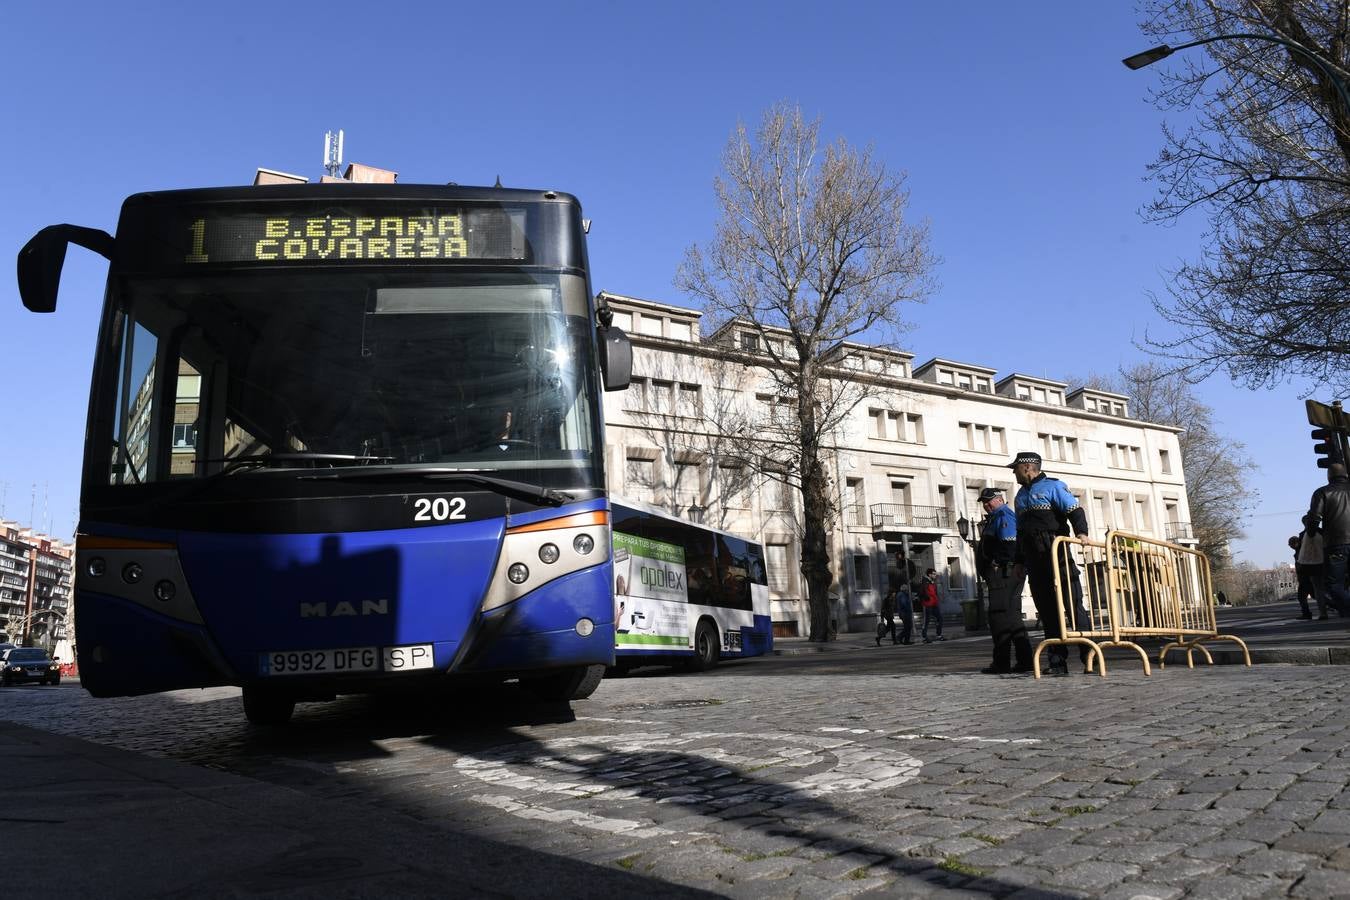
[1178,531]
[903,517]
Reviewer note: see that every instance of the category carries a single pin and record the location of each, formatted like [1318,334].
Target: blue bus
[685,594]
[342,437]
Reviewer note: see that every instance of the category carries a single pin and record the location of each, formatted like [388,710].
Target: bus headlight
[518,573]
[548,554]
[583,544]
[97,567]
[164,590]
[132,572]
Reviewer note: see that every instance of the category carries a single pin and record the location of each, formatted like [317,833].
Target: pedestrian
[887,613]
[932,604]
[904,605]
[1329,511]
[1046,509]
[995,558]
[1308,558]
[1295,543]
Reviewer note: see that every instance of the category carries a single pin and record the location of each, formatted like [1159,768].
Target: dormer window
[749,342]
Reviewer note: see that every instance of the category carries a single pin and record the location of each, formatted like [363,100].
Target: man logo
[343,608]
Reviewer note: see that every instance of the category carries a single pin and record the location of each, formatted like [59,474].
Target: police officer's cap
[990,493]
[1026,456]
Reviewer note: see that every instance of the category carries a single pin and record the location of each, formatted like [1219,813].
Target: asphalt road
[894,771]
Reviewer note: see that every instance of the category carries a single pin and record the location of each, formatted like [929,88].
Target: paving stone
[1277,862]
[1142,890]
[1319,842]
[1093,876]
[1141,853]
[1323,884]
[1332,821]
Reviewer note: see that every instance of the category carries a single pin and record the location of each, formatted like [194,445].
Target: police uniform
[1045,510]
[995,558]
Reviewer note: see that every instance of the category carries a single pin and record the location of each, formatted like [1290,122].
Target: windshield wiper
[275,460]
[532,492]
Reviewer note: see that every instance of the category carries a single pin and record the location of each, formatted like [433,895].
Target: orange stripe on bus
[576,521]
[98,542]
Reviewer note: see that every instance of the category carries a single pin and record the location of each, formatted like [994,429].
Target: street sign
[1324,416]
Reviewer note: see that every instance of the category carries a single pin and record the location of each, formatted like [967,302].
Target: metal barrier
[1087,618]
[1164,590]
[1130,587]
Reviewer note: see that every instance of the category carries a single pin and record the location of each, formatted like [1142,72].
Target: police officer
[1045,510]
[995,560]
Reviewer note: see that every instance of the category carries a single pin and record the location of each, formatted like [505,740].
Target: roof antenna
[332,153]
[499,181]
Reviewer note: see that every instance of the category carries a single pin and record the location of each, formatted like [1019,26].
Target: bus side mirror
[41,259]
[616,358]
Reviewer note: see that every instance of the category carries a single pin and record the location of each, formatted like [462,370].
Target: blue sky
[1024,138]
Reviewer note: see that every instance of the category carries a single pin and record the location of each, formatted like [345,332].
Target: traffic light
[1328,450]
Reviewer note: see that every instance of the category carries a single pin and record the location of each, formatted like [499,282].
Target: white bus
[685,593]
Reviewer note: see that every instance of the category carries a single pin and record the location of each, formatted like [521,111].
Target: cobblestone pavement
[1222,782]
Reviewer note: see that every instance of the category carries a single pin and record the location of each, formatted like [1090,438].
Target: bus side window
[733,567]
[132,437]
[699,566]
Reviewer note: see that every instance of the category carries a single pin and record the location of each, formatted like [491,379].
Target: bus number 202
[441,509]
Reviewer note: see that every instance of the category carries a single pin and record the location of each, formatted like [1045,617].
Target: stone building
[35,586]
[906,463]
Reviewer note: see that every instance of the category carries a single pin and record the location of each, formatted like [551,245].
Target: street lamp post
[963,528]
[1162,51]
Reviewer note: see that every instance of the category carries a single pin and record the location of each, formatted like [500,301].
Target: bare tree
[1267,160]
[1217,468]
[812,249]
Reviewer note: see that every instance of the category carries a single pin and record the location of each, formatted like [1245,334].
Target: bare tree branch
[812,250]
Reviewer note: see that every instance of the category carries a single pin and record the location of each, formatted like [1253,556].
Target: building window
[778,560]
[1124,456]
[888,425]
[749,342]
[640,478]
[862,572]
[1165,462]
[681,331]
[946,376]
[983,438]
[1142,520]
[1022,392]
[734,483]
[854,509]
[1059,448]
[688,401]
[185,435]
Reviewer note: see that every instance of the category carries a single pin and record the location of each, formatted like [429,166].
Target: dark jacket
[1330,509]
[1045,510]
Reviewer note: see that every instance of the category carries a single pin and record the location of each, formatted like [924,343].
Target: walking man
[1308,558]
[1045,510]
[995,562]
[932,610]
[887,622]
[900,578]
[1330,509]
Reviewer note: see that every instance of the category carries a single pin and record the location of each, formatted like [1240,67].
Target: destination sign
[347,237]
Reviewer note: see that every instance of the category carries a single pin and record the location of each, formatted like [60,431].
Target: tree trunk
[815,549]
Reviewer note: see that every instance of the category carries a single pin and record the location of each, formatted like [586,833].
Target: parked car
[20,665]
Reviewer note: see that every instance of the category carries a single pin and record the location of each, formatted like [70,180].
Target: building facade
[907,461]
[35,587]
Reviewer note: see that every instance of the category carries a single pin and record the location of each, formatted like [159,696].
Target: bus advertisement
[685,593]
[342,437]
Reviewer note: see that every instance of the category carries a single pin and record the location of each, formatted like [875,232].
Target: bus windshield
[486,371]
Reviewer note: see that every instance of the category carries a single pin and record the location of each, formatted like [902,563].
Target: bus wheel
[706,649]
[568,684]
[267,707]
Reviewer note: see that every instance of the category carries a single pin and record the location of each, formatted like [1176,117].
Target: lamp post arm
[1162,51]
